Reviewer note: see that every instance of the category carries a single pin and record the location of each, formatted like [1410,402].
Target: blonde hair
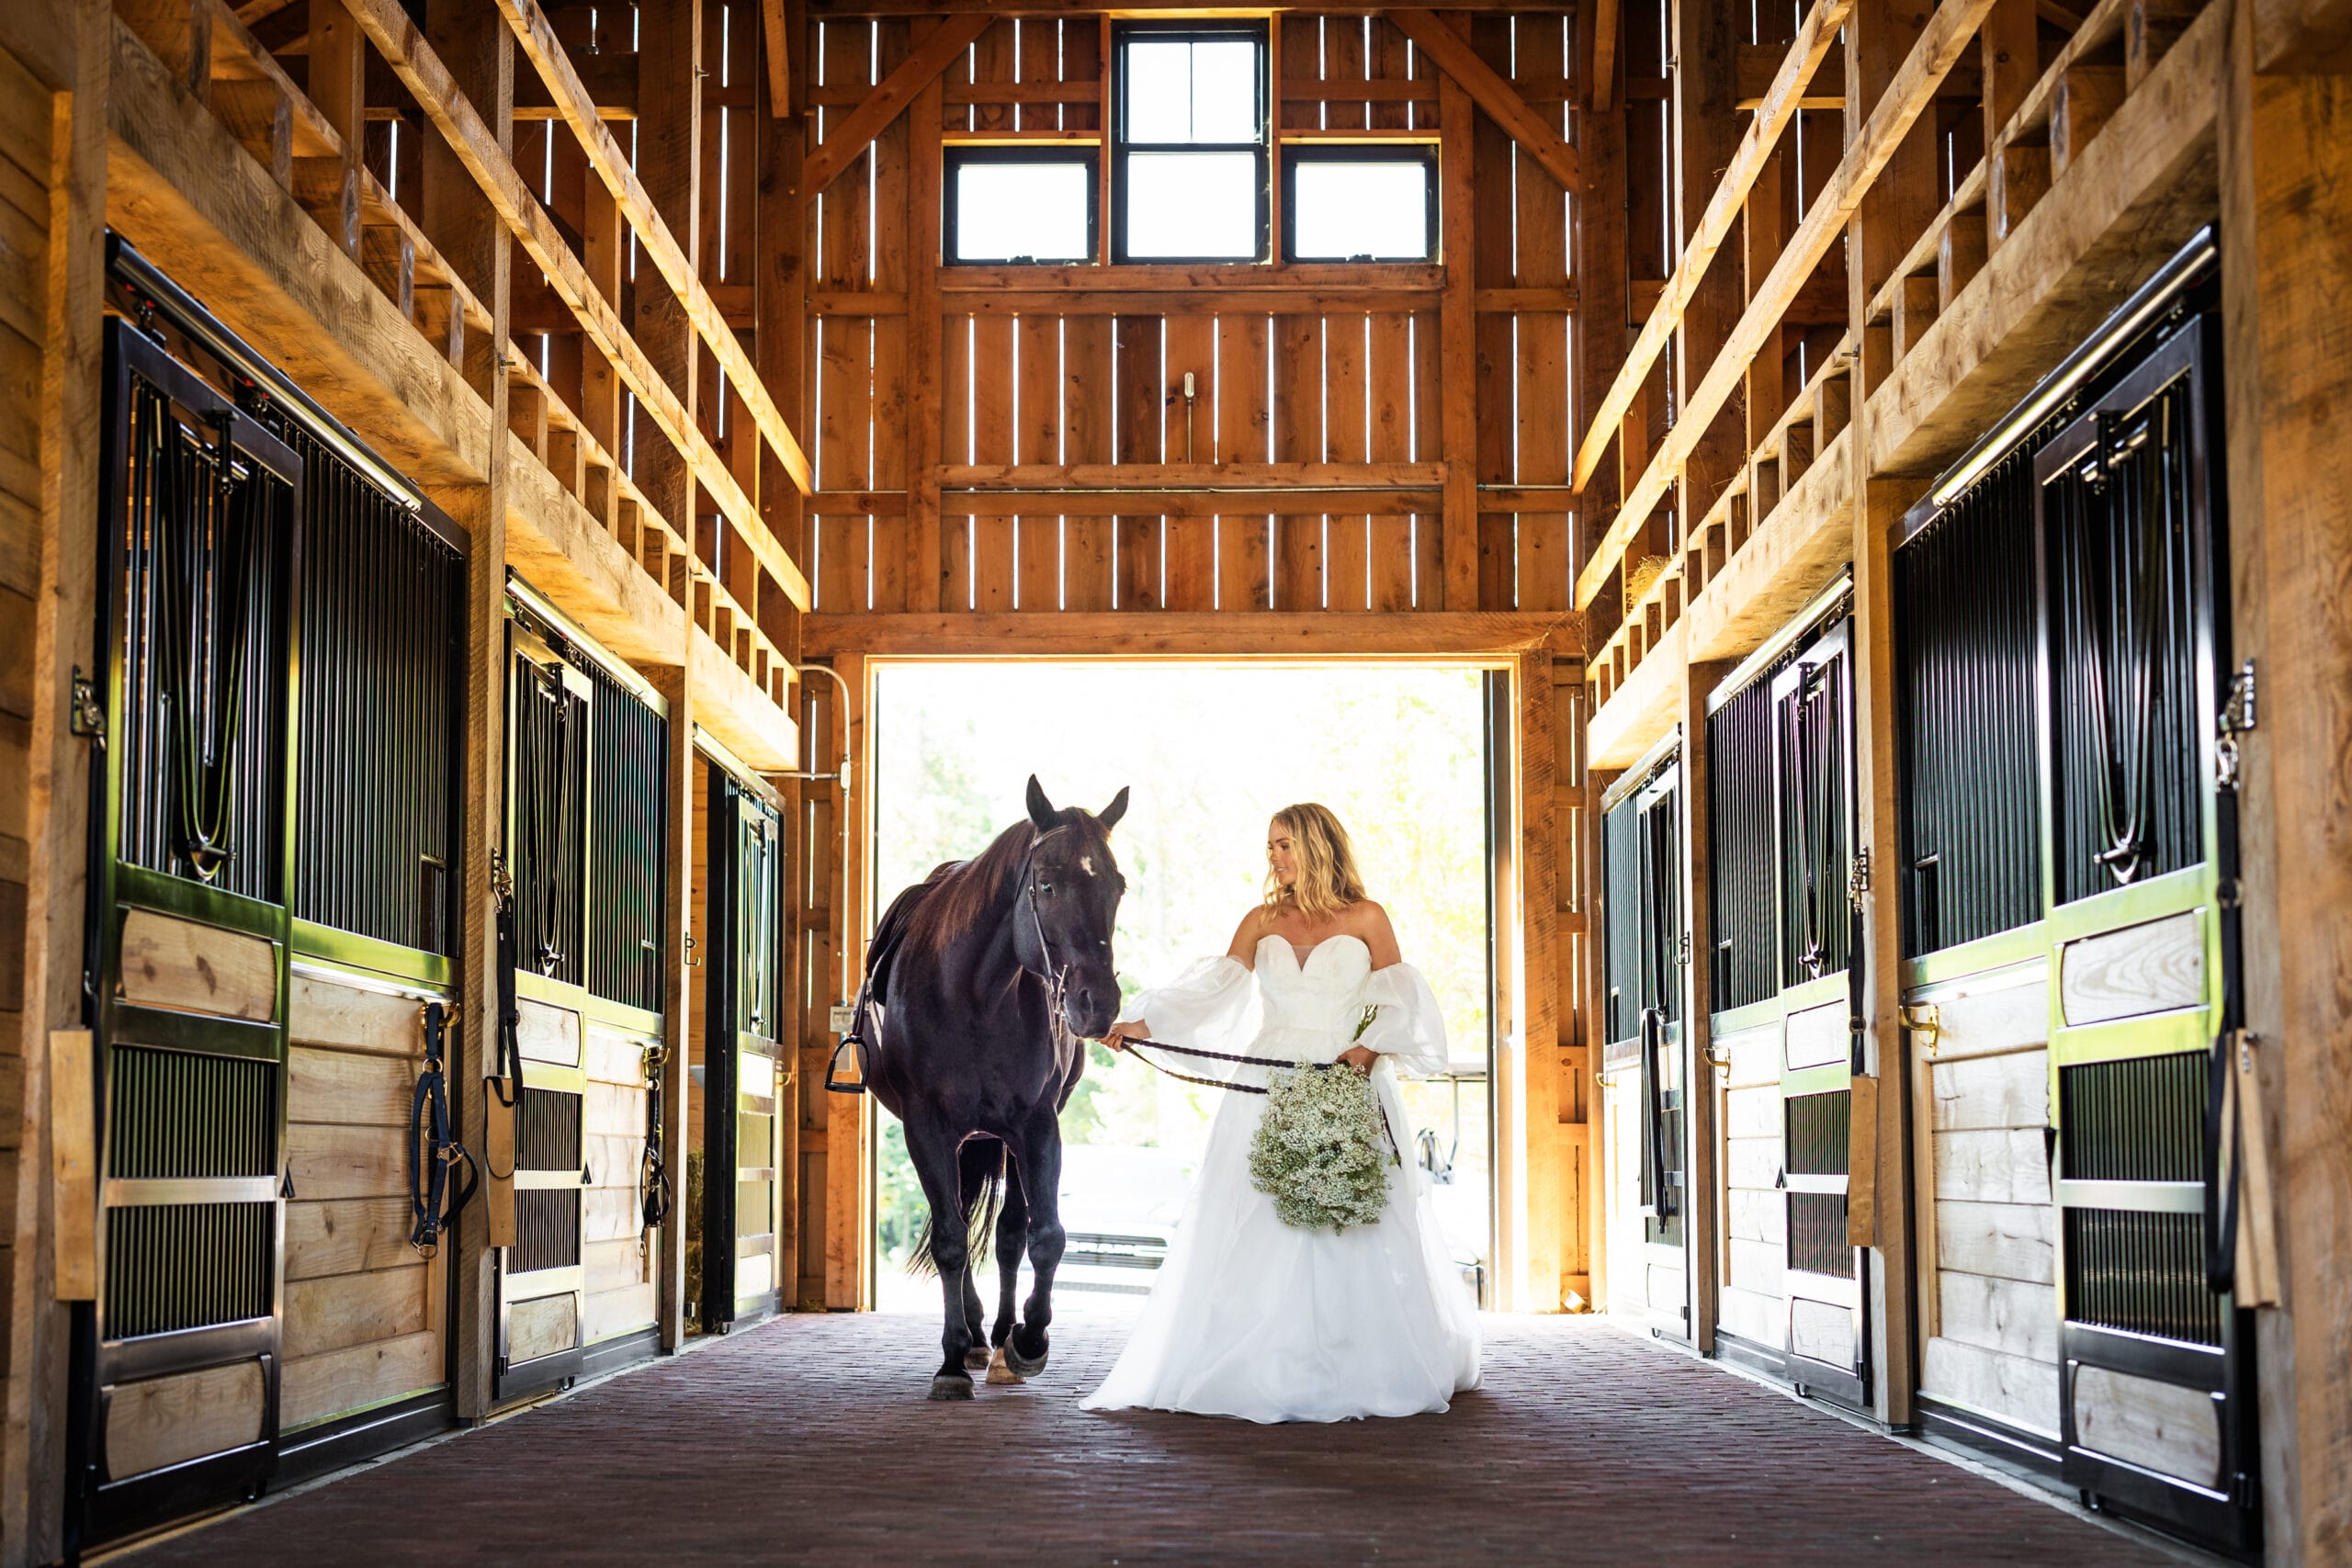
[1327,881]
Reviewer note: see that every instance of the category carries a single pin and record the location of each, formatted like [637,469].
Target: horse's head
[1075,886]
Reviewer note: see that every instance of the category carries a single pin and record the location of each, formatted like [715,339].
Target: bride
[1249,1316]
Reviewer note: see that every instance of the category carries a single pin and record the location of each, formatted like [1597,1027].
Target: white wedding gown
[1249,1316]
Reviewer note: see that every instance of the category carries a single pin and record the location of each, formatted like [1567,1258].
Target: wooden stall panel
[364,1313]
[1755,1218]
[616,1256]
[167,1420]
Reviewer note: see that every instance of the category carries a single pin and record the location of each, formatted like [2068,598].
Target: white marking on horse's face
[1086,865]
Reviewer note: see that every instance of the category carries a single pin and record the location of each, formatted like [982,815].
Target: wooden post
[1601,315]
[678,1021]
[849,1211]
[66,53]
[1457,350]
[1897,210]
[926,349]
[1703,1179]
[1533,1070]
[1706,127]
[669,162]
[2286,181]
[337,87]
[467,231]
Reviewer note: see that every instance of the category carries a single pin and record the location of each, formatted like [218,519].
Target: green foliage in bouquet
[1321,1152]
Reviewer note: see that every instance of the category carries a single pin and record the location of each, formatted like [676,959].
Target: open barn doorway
[1405,754]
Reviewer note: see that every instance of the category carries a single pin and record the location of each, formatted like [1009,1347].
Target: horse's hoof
[1021,1366]
[946,1387]
[1001,1369]
[976,1359]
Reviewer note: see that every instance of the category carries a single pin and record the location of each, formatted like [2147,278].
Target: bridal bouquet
[1321,1152]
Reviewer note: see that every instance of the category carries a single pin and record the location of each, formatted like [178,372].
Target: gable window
[1360,203]
[1018,204]
[1190,144]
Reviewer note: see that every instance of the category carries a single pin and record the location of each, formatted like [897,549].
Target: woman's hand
[1360,1058]
[1133,1028]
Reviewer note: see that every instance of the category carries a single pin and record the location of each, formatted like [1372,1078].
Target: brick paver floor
[809,1440]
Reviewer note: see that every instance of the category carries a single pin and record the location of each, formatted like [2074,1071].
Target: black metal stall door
[742,1060]
[1813,748]
[176,1366]
[2156,1379]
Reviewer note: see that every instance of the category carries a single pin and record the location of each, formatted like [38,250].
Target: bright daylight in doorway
[1208,751]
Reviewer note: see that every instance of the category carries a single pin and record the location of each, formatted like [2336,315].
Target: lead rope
[1269,1062]
[506,1079]
[432,1150]
[655,1174]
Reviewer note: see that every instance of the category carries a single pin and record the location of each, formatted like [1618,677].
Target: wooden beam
[776,34]
[1194,475]
[1604,55]
[1457,350]
[421,69]
[1755,147]
[1281,500]
[862,124]
[1178,633]
[1948,35]
[537,35]
[1454,55]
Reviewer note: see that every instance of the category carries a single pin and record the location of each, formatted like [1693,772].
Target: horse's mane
[961,891]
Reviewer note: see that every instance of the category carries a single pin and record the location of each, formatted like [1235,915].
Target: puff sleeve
[1407,1028]
[1211,1006]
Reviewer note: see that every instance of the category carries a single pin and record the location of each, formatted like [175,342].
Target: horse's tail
[980,1175]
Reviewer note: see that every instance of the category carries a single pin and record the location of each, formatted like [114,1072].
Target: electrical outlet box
[840,1017]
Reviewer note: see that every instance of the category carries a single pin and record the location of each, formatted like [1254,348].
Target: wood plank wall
[365,1314]
[1025,371]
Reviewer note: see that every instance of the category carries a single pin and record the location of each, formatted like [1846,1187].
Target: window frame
[955,155]
[1261,37]
[1295,153]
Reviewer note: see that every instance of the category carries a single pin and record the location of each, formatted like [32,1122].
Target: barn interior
[470,469]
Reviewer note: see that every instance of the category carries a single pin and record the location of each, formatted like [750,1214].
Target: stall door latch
[2237,719]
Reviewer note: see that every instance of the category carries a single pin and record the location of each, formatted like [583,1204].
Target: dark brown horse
[983,983]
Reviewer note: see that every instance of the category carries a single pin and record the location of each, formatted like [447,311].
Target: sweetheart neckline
[1301,964]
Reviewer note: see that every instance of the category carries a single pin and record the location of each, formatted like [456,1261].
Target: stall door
[1647,1079]
[742,1060]
[1814,794]
[2155,1375]
[176,1363]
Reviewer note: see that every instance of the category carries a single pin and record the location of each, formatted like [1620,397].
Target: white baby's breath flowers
[1321,1151]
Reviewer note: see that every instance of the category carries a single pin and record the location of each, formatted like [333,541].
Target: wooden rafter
[1947,34]
[870,119]
[578,107]
[1780,104]
[777,29]
[476,146]
[1454,55]
[1604,55]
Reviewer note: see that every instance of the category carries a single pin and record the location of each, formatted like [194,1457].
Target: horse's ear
[1110,815]
[1041,810]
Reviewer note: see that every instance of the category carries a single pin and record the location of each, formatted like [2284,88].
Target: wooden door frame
[1536,1216]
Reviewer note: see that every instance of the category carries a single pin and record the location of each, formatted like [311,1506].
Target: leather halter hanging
[432,1149]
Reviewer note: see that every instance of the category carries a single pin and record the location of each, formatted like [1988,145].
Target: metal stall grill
[547,727]
[1964,653]
[1740,872]
[2156,1390]
[625,827]
[383,656]
[187,956]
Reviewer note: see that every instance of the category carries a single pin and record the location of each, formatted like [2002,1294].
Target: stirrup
[835,1084]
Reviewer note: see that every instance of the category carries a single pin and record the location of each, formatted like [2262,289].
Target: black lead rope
[656,1173]
[432,1150]
[1272,1062]
[506,1079]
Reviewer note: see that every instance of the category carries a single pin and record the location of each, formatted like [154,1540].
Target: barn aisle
[807,1439]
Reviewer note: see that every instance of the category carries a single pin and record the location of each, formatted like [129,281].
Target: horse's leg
[1040,1153]
[1012,1239]
[979,1163]
[934,1154]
